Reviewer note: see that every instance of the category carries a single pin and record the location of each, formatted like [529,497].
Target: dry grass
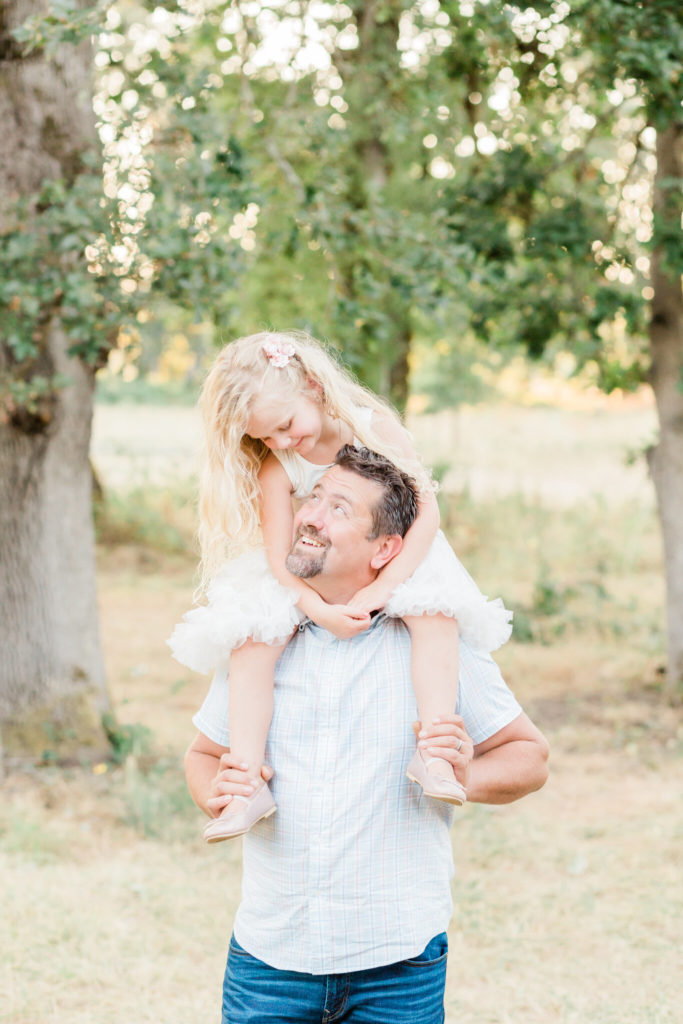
[567,903]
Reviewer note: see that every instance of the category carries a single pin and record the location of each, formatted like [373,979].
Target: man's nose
[313,515]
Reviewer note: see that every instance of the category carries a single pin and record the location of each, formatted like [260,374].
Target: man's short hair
[397,510]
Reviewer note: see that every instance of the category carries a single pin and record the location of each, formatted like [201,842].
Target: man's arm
[503,768]
[509,764]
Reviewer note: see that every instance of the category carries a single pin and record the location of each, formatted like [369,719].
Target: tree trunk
[373,74]
[52,687]
[666,342]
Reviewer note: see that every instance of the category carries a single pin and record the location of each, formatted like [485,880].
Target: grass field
[567,904]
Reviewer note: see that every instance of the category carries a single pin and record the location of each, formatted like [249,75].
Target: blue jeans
[409,992]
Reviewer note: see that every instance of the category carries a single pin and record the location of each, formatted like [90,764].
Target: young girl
[276,410]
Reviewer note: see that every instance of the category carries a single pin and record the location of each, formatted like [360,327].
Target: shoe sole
[236,835]
[436,796]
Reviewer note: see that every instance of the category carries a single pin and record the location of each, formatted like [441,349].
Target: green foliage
[642,41]
[448,368]
[367,198]
[28,395]
[64,23]
[127,740]
[43,272]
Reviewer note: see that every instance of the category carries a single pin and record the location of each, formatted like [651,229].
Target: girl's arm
[277,521]
[417,540]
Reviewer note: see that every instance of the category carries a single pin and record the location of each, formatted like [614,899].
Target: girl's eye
[286,426]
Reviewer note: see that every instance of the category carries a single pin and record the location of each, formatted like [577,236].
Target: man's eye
[340,510]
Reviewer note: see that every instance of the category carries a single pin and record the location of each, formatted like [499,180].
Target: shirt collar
[376,617]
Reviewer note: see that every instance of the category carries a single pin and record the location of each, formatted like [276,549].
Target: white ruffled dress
[246,601]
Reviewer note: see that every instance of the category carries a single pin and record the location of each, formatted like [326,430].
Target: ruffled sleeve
[244,601]
[441,584]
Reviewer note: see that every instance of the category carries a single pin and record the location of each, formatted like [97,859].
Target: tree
[643,43]
[72,275]
[189,168]
[573,216]
[52,688]
[343,234]
[390,165]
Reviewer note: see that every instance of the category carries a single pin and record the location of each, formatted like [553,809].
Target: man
[346,890]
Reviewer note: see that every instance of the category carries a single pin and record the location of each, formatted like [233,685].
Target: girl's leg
[434,667]
[251,682]
[250,710]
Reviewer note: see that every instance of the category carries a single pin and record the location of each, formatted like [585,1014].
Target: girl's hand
[342,620]
[371,598]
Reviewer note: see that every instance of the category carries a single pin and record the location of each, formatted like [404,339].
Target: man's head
[397,508]
[352,524]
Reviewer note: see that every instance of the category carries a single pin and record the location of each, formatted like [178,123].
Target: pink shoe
[448,790]
[256,807]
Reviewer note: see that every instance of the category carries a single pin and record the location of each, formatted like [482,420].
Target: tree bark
[666,344]
[372,72]
[52,685]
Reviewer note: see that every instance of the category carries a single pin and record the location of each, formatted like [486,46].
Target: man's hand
[447,738]
[232,779]
[371,598]
[342,620]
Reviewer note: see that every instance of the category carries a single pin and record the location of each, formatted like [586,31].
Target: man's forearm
[508,772]
[200,771]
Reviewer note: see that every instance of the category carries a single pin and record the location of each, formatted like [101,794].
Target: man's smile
[309,538]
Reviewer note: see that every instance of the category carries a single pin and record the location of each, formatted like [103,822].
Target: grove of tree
[381,173]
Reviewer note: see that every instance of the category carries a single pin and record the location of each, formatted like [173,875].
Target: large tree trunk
[666,341]
[52,688]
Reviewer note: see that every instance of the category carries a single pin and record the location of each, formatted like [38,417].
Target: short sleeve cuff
[485,701]
[212,717]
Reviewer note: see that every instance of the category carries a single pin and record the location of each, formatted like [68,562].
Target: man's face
[332,528]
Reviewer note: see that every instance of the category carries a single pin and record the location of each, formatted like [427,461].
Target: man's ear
[389,547]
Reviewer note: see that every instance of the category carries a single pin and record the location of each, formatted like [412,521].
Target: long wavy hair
[229,490]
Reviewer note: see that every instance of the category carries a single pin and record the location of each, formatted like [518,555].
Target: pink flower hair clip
[279,352]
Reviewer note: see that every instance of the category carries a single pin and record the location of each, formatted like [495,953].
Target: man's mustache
[313,534]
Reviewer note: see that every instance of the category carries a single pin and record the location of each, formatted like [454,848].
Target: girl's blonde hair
[229,489]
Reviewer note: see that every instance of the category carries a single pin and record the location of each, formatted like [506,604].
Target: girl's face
[294,421]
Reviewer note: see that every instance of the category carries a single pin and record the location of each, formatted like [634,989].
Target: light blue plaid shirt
[354,869]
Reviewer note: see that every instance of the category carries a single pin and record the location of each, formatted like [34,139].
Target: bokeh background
[477,206]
